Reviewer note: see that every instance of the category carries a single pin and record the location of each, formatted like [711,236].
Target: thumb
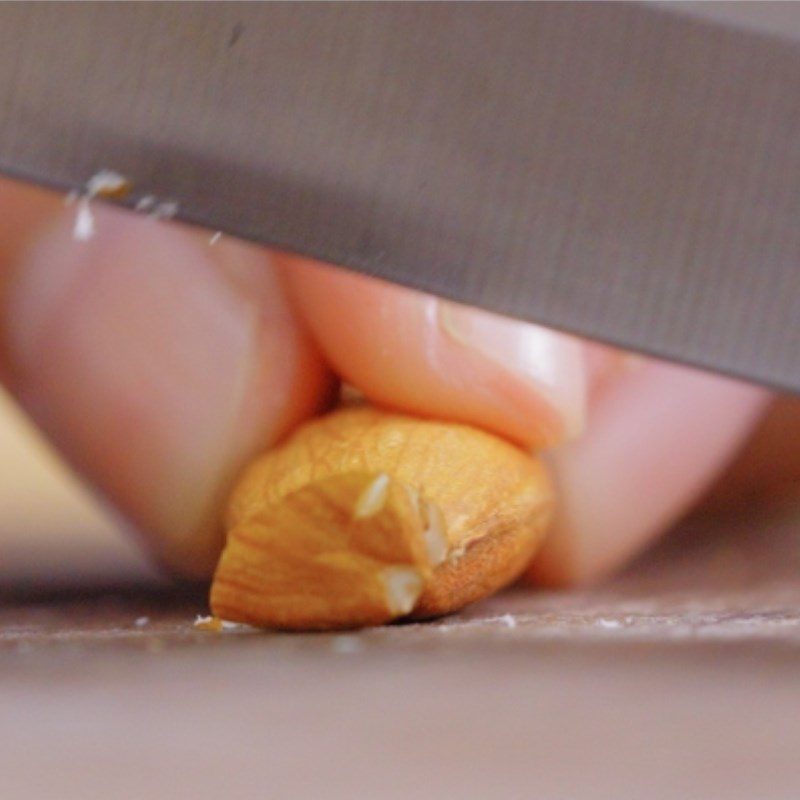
[155,362]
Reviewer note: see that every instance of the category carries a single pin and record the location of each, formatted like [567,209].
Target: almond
[364,516]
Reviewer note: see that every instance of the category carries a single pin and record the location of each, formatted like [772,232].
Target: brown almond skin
[489,563]
[495,501]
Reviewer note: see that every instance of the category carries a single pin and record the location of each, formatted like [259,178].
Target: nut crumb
[165,210]
[107,183]
[217,625]
[373,498]
[435,540]
[145,203]
[403,586]
[213,624]
[83,230]
[228,625]
[142,622]
[346,644]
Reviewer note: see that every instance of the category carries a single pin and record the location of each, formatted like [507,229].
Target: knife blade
[626,172]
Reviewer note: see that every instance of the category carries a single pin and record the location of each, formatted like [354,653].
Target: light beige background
[52,530]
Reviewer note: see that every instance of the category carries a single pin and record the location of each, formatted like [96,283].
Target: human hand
[159,364]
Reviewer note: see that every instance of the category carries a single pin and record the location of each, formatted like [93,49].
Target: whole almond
[364,516]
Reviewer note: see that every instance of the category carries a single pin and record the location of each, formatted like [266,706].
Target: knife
[626,172]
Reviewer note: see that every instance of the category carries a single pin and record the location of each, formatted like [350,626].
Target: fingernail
[133,352]
[550,364]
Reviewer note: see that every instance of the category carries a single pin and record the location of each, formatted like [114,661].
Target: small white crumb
[145,203]
[107,182]
[83,230]
[142,622]
[346,644]
[445,627]
[157,209]
[609,623]
[403,586]
[217,625]
[167,209]
[435,540]
[207,623]
[509,620]
[372,499]
[215,238]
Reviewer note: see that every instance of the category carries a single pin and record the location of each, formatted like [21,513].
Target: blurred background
[53,532]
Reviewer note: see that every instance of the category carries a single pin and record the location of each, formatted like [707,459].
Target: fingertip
[414,352]
[655,439]
[158,365]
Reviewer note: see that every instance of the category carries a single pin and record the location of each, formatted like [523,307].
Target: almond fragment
[403,587]
[108,183]
[212,624]
[343,551]
[373,498]
[433,534]
[363,516]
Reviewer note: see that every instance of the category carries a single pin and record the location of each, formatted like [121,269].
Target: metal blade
[623,171]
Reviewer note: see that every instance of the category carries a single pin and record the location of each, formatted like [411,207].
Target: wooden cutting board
[679,679]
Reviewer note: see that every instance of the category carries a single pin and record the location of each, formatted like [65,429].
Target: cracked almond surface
[364,516]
